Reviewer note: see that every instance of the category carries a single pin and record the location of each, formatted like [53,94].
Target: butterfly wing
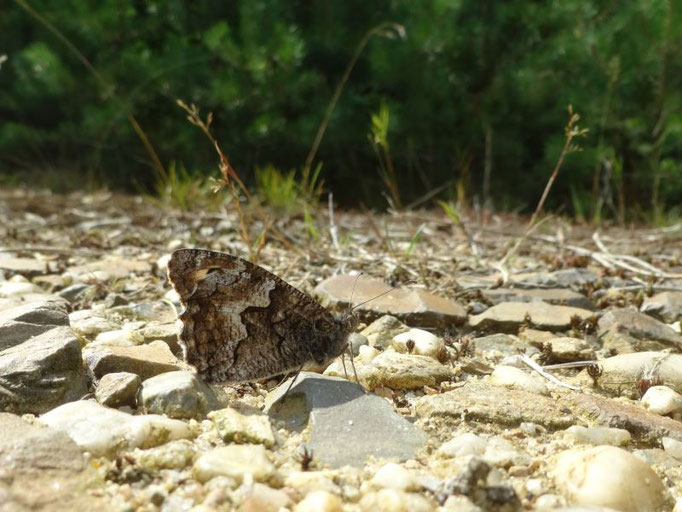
[242,323]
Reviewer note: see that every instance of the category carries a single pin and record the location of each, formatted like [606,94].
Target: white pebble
[319,501]
[597,435]
[672,447]
[425,343]
[512,377]
[662,400]
[607,476]
[464,444]
[394,476]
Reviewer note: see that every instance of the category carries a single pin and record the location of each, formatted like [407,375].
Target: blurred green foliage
[472,78]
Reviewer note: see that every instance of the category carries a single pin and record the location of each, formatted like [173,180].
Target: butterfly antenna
[373,298]
[352,292]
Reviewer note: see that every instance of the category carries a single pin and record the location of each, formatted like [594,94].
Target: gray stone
[144,360]
[159,311]
[339,414]
[417,308]
[28,267]
[557,296]
[167,332]
[31,319]
[628,330]
[42,372]
[108,269]
[665,306]
[383,329]
[571,349]
[107,432]
[565,278]
[509,316]
[178,394]
[118,389]
[45,469]
[76,292]
[497,346]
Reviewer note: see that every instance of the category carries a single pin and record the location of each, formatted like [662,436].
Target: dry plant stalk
[230,179]
[571,131]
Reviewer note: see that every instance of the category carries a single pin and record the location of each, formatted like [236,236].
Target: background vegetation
[467,95]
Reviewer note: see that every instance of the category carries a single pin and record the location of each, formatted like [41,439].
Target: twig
[333,230]
[535,366]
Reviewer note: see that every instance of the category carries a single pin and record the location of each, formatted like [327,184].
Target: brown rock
[417,308]
[628,330]
[509,316]
[143,360]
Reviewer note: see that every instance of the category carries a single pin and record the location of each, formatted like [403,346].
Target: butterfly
[242,323]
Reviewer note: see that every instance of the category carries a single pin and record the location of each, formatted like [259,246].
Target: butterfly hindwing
[242,323]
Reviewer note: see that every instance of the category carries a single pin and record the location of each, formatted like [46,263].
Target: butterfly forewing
[242,323]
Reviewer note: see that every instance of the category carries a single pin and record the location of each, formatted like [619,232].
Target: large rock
[628,330]
[23,322]
[339,414]
[417,308]
[42,372]
[665,306]
[43,469]
[107,432]
[557,296]
[606,476]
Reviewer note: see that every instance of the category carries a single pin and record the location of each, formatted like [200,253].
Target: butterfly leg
[352,363]
[343,362]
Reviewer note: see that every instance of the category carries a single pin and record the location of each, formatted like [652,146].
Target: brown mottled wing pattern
[242,323]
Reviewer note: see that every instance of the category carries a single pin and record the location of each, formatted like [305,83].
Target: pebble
[308,481]
[391,500]
[509,316]
[394,476]
[319,501]
[106,432]
[118,389]
[423,343]
[397,371]
[597,435]
[177,454]
[383,330]
[234,461]
[672,447]
[237,427]
[628,330]
[511,377]
[607,476]
[262,498]
[180,395]
[629,367]
[662,400]
[463,445]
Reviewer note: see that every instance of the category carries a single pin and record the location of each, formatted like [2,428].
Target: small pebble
[394,476]
[319,501]
[463,444]
[512,377]
[662,400]
[597,435]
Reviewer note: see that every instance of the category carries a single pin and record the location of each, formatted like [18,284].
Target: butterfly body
[242,323]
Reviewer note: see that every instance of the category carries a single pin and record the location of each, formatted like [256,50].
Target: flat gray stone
[42,373]
[177,394]
[665,306]
[47,470]
[564,278]
[509,316]
[345,425]
[417,308]
[28,267]
[31,319]
[628,330]
[501,345]
[556,296]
